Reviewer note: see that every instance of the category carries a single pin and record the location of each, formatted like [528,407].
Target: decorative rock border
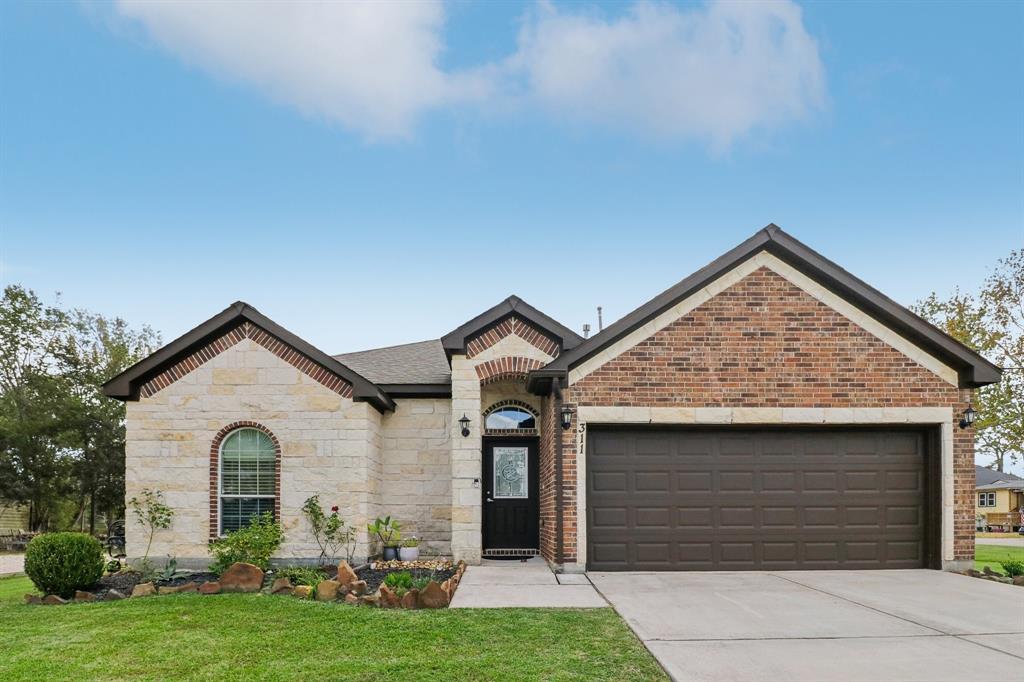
[988,574]
[344,587]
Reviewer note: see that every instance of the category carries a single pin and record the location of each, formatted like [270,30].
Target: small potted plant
[389,534]
[410,550]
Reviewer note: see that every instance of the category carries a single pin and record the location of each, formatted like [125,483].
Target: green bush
[302,575]
[1013,567]
[254,544]
[60,563]
[401,579]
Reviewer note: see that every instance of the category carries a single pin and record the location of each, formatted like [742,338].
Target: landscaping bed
[414,585]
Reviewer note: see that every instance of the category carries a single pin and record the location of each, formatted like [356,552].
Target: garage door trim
[929,533]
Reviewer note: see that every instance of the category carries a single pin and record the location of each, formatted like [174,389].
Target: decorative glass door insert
[511,472]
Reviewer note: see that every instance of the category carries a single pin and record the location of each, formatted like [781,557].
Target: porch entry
[511,503]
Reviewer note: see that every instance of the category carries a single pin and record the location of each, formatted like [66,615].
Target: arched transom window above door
[511,418]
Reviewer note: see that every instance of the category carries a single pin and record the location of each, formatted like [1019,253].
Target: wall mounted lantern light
[566,417]
[464,422]
[969,416]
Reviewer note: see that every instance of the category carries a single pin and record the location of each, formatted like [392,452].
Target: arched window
[248,477]
[510,416]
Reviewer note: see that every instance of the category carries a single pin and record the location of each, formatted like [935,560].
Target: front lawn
[259,637]
[994,555]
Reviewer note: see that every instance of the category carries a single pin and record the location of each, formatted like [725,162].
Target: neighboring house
[13,518]
[770,411]
[999,498]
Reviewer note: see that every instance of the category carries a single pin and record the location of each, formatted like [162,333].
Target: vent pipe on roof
[586,331]
[600,323]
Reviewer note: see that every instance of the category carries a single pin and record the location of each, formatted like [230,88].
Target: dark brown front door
[511,508]
[757,499]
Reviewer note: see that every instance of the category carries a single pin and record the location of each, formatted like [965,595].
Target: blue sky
[159,162]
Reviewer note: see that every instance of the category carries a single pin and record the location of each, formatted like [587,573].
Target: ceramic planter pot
[409,553]
[390,553]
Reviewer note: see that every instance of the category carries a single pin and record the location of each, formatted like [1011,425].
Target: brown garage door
[744,499]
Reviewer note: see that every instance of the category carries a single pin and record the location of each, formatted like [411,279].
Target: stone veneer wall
[416,478]
[330,446]
[763,342]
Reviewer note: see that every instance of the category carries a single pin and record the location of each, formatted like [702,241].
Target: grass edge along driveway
[237,636]
[994,555]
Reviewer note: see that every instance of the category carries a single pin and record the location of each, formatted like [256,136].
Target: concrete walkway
[821,626]
[505,584]
[11,564]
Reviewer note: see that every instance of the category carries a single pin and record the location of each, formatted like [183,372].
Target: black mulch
[125,581]
[374,578]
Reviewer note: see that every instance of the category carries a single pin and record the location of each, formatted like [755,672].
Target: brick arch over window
[506,369]
[218,440]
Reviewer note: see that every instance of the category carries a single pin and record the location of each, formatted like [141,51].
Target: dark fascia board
[417,390]
[454,342]
[126,385]
[973,369]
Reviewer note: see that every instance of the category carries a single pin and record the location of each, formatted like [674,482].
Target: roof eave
[126,385]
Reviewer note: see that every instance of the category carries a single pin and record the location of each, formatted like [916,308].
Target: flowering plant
[329,530]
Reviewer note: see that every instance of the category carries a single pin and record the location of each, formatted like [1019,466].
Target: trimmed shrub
[254,544]
[1013,567]
[60,563]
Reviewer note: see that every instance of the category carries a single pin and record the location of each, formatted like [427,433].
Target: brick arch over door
[506,369]
[215,470]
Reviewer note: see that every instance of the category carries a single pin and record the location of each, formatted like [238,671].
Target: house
[999,498]
[14,518]
[769,411]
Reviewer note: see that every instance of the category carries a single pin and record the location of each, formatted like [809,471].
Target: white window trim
[221,495]
[986,499]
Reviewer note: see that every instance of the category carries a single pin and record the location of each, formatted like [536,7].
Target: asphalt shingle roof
[986,476]
[423,362]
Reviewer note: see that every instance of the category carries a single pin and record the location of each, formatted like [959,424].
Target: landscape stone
[210,587]
[346,576]
[113,595]
[1018,580]
[53,600]
[81,595]
[370,599]
[302,591]
[410,599]
[351,599]
[974,573]
[327,590]
[281,585]
[388,598]
[433,597]
[242,577]
[144,590]
[186,587]
[358,587]
[33,599]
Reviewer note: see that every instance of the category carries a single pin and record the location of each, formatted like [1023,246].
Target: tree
[992,322]
[60,438]
[93,350]
[33,467]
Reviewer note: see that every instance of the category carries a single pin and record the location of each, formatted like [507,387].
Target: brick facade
[507,368]
[766,343]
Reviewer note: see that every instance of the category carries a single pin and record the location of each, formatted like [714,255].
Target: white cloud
[370,66]
[714,72]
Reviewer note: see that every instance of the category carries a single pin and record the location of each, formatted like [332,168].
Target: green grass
[994,555]
[245,637]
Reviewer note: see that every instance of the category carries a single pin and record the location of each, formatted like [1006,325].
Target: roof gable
[971,368]
[129,384]
[457,340]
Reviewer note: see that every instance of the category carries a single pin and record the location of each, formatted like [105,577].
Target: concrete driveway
[824,625]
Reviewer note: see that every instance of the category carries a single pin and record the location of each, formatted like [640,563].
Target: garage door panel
[728,500]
